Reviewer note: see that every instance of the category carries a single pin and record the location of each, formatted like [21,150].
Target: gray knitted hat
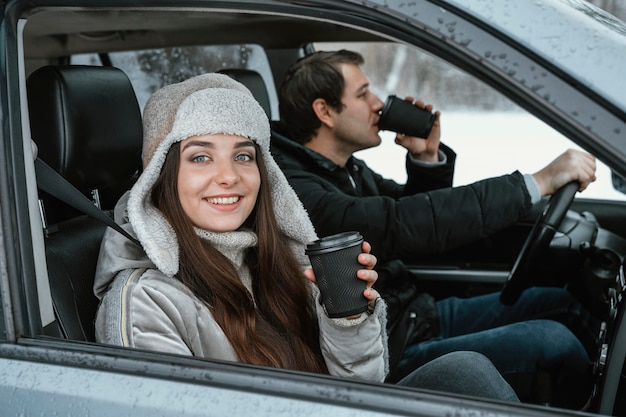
[206,104]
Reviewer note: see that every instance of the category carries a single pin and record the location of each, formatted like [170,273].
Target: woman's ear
[323,111]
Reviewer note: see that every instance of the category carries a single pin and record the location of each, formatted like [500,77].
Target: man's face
[356,127]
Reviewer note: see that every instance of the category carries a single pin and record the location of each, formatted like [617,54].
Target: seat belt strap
[54,184]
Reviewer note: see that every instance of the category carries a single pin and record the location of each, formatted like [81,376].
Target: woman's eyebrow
[244,144]
[211,145]
[201,143]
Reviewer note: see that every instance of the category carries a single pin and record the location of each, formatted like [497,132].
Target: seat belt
[54,184]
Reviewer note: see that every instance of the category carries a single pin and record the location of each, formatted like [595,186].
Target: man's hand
[572,165]
[423,149]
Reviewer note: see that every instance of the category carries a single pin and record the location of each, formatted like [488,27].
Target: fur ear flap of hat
[206,104]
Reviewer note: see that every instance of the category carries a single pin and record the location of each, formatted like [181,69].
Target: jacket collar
[297,149]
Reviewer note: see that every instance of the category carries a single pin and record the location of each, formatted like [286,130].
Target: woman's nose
[227,173]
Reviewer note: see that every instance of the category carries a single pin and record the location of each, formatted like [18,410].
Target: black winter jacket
[424,216]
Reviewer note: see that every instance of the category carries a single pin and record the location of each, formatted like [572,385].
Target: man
[327,114]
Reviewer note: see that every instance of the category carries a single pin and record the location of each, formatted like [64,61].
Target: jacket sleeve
[138,316]
[420,177]
[421,223]
[355,348]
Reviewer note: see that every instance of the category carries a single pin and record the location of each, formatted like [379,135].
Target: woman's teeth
[224,200]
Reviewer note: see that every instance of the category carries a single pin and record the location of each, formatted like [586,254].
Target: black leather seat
[87,125]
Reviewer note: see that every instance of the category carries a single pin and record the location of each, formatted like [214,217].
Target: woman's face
[218,180]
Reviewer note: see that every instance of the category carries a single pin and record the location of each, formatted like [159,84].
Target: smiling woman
[201,279]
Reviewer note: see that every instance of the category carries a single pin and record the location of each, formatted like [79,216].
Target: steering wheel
[539,238]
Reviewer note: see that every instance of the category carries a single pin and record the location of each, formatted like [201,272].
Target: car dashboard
[583,256]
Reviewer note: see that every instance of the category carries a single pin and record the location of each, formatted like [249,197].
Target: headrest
[254,81]
[87,125]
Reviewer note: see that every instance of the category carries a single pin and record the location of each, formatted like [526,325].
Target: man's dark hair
[314,76]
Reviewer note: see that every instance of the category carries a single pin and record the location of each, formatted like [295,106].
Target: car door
[46,374]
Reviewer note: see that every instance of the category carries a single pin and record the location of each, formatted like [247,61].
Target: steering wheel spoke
[538,240]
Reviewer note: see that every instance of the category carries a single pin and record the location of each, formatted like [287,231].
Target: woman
[221,271]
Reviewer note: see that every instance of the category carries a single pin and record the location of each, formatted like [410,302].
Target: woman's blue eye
[200,158]
[243,157]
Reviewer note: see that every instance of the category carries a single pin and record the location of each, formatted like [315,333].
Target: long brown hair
[279,331]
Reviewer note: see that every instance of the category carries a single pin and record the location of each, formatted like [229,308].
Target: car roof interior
[51,35]
[56,32]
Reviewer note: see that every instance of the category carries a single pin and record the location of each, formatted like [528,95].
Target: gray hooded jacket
[143,305]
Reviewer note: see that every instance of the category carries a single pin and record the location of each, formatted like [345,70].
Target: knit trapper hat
[204,105]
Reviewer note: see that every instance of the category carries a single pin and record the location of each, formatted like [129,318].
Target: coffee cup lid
[382,122]
[333,242]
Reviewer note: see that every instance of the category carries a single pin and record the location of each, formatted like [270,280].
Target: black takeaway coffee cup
[401,116]
[334,261]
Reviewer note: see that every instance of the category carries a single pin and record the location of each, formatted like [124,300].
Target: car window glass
[152,69]
[491,135]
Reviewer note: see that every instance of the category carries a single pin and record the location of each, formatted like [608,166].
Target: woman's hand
[368,274]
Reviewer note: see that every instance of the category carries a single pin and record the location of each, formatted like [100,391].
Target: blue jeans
[521,340]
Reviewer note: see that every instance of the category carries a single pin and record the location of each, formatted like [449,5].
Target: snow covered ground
[515,141]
